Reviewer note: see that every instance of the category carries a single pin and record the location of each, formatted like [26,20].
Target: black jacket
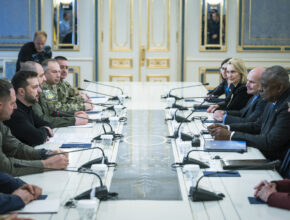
[236,99]
[270,134]
[8,185]
[26,126]
[220,89]
[251,112]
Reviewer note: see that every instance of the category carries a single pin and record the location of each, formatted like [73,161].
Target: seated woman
[222,87]
[237,96]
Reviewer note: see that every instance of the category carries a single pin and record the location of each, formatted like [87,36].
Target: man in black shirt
[24,124]
[34,51]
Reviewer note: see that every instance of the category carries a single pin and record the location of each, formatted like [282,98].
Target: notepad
[40,207]
[257,164]
[225,146]
[211,121]
[42,197]
[76,145]
[254,200]
[93,112]
[221,174]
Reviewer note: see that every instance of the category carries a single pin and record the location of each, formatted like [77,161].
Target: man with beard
[24,124]
[41,108]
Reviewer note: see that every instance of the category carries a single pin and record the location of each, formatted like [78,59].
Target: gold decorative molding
[204,71]
[128,44]
[157,78]
[121,63]
[121,78]
[261,48]
[158,63]
[165,44]
[222,8]
[76,73]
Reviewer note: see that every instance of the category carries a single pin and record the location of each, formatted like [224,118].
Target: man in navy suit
[15,194]
[270,134]
[254,107]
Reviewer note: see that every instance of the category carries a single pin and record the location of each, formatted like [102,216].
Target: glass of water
[107,140]
[191,172]
[170,101]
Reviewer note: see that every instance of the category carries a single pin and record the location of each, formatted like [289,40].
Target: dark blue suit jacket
[8,185]
[270,133]
[250,113]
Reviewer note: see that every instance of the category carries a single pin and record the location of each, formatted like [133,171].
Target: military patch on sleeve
[48,94]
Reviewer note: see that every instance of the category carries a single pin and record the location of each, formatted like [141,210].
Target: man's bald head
[253,80]
[274,82]
[34,67]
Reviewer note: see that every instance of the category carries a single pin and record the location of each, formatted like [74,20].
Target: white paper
[89,125]
[40,206]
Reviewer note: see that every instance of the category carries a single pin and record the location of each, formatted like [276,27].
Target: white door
[139,40]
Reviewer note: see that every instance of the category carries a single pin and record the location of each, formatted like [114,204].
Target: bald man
[270,134]
[255,106]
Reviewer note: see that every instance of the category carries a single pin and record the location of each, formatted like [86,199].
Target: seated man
[15,193]
[52,74]
[41,108]
[17,158]
[24,124]
[270,134]
[254,107]
[64,89]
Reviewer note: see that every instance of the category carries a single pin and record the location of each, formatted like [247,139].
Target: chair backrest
[285,167]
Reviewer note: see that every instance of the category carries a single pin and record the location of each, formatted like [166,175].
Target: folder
[257,164]
[225,146]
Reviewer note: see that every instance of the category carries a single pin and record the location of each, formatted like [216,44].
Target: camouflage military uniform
[64,90]
[12,151]
[42,110]
[54,102]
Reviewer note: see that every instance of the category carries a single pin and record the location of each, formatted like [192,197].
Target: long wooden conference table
[147,185]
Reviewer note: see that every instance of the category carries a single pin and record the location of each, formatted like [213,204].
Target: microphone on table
[178,118]
[99,160]
[111,132]
[183,87]
[65,114]
[198,194]
[187,160]
[195,142]
[113,98]
[101,192]
[98,104]
[265,166]
[98,83]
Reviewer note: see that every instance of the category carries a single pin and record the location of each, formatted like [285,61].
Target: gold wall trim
[113,34]
[121,63]
[75,70]
[203,70]
[157,77]
[158,63]
[166,34]
[213,47]
[259,48]
[121,78]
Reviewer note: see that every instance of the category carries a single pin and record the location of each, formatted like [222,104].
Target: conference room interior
[144,109]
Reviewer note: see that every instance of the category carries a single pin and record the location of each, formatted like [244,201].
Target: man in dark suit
[270,133]
[15,193]
[254,107]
